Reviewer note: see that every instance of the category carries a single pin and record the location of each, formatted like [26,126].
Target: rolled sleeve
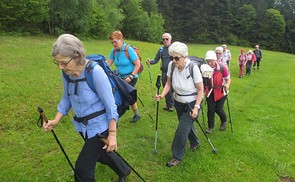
[104,91]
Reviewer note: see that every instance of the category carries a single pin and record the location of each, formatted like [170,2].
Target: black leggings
[215,107]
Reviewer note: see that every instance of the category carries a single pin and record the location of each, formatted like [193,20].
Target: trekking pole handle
[158,83]
[41,111]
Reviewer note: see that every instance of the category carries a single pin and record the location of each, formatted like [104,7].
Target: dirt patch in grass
[286,179]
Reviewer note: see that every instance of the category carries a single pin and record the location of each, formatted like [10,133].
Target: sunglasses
[165,39]
[175,58]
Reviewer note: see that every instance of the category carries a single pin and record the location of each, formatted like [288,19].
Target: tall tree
[272,29]
[106,17]
[244,23]
[23,16]
[150,6]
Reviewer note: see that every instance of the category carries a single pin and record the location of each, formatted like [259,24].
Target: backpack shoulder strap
[172,70]
[126,51]
[191,69]
[89,74]
[67,77]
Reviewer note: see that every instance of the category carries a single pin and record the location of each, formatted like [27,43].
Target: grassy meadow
[261,148]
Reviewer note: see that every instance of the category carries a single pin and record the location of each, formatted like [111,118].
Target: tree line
[270,23]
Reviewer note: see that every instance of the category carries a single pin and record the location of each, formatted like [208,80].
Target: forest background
[270,23]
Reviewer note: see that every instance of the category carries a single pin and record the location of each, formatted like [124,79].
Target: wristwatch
[197,106]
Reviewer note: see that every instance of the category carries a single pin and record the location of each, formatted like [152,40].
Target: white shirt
[183,83]
[226,55]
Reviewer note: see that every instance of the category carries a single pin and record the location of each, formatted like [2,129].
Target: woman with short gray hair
[95,112]
[188,93]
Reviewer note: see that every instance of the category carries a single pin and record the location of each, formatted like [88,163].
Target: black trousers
[248,67]
[91,153]
[258,59]
[215,107]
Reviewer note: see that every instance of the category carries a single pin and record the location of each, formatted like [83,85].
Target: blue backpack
[124,94]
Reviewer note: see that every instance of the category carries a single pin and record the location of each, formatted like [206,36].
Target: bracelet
[112,130]
[197,106]
[132,75]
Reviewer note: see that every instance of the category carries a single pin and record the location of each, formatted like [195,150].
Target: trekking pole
[203,115]
[151,82]
[230,121]
[44,118]
[158,85]
[146,111]
[214,150]
[106,143]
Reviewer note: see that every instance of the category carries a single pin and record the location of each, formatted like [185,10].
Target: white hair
[179,48]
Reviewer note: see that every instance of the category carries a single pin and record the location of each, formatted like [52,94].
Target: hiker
[163,54]
[95,113]
[251,60]
[218,52]
[127,67]
[258,54]
[242,60]
[187,90]
[216,91]
[226,55]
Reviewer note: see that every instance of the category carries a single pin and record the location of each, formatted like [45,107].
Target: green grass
[262,108]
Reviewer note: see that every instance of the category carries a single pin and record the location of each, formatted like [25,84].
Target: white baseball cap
[210,55]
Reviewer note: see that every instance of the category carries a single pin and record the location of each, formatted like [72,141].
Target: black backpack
[195,61]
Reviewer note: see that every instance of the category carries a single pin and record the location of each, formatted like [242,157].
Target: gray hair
[179,48]
[167,34]
[69,46]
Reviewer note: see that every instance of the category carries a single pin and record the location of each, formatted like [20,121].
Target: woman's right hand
[49,125]
[158,97]
[148,61]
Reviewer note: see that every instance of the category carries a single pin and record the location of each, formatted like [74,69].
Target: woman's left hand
[194,112]
[112,143]
[128,79]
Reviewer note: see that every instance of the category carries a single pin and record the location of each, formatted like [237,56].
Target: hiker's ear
[77,52]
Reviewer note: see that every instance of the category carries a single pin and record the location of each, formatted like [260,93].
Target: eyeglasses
[165,39]
[114,41]
[175,58]
[218,53]
[62,63]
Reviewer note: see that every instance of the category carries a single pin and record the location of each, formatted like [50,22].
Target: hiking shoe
[123,178]
[135,118]
[169,108]
[209,130]
[172,162]
[223,126]
[194,147]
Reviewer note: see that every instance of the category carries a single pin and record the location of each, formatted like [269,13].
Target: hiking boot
[172,162]
[223,126]
[135,118]
[209,130]
[169,108]
[123,178]
[194,147]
